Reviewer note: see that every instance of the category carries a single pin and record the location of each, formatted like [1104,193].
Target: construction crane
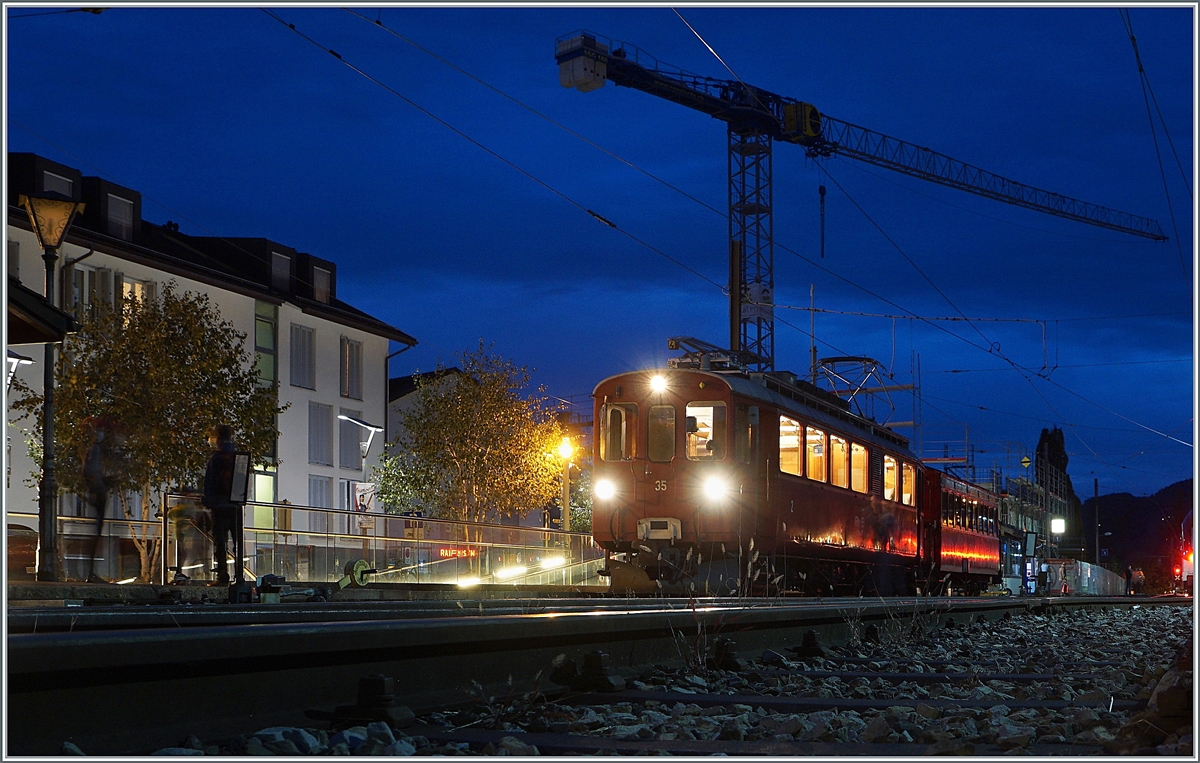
[756,118]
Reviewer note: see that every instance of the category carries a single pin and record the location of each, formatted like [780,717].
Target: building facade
[329,358]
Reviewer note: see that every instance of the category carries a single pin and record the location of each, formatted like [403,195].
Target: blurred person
[226,515]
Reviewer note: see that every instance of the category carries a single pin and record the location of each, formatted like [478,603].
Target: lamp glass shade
[50,218]
[1058,526]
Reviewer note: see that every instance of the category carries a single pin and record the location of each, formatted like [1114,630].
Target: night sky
[231,124]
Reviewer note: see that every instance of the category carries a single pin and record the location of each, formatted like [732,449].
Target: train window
[890,478]
[789,445]
[662,433]
[616,432]
[839,461]
[816,454]
[705,431]
[858,468]
[909,486]
[745,430]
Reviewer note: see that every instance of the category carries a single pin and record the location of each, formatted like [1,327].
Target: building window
[319,498]
[320,434]
[304,357]
[662,433]
[789,445]
[815,447]
[351,369]
[350,436]
[321,283]
[85,287]
[120,217]
[839,461]
[890,478]
[14,259]
[281,271]
[858,468]
[264,343]
[133,288]
[58,184]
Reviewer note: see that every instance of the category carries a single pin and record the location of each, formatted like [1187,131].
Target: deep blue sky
[231,124]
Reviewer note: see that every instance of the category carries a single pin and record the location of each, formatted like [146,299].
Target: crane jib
[587,60]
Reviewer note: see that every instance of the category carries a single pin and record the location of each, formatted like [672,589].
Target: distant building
[328,357]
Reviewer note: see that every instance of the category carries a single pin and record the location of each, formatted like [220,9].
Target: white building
[328,357]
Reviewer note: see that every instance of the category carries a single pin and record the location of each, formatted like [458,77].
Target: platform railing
[307,544]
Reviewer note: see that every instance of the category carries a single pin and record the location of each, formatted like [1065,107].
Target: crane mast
[755,119]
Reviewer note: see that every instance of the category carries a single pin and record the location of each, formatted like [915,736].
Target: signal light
[1178,571]
[1189,556]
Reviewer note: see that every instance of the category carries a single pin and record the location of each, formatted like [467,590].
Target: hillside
[1145,529]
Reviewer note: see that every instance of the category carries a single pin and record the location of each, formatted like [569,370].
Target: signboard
[457,553]
[1026,462]
[364,496]
[1030,544]
[241,477]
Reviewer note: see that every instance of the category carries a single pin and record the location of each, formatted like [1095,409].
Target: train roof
[785,391]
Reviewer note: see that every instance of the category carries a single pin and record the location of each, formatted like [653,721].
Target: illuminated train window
[789,445]
[909,486]
[890,478]
[815,448]
[662,433]
[858,468]
[705,440]
[839,461]
[616,433]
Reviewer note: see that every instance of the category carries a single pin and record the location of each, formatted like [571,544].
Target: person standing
[96,479]
[226,515]
[1128,580]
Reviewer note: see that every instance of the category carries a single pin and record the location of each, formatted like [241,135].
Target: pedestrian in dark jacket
[96,479]
[226,515]
[1129,581]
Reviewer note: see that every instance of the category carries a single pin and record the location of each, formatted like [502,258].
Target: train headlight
[715,488]
[658,384]
[605,489]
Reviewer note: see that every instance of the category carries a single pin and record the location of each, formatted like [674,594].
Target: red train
[717,482]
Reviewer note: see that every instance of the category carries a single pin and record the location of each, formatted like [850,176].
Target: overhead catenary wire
[990,348]
[1145,81]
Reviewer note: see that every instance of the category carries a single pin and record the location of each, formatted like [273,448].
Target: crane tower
[755,119]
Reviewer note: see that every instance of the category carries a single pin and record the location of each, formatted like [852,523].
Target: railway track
[215,674]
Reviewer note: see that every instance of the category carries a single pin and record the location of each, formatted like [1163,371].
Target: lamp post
[51,215]
[363,447]
[566,450]
[365,524]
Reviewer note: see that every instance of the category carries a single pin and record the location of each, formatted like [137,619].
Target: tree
[472,448]
[163,372]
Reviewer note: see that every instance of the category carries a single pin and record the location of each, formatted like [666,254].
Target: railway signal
[757,118]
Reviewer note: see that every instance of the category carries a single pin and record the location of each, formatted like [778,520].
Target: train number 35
[660,486]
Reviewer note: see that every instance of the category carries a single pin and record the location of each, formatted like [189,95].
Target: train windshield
[662,433]
[705,431]
[616,432]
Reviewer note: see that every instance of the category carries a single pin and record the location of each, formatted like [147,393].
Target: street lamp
[15,360]
[565,450]
[1058,526]
[363,447]
[51,215]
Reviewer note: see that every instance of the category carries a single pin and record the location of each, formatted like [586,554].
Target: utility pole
[1096,500]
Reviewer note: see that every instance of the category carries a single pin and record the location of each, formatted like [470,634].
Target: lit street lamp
[51,215]
[15,360]
[363,447]
[1058,527]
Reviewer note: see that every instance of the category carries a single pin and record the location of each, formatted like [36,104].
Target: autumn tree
[474,447]
[163,371]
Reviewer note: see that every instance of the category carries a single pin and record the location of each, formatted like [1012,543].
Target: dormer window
[281,271]
[321,278]
[58,184]
[120,217]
